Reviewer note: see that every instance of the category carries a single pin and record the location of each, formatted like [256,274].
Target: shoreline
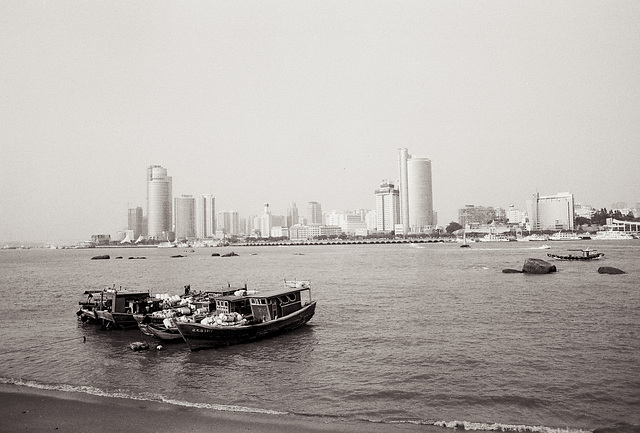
[23,409]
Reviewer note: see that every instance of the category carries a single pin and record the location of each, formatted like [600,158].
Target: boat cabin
[121,301]
[271,307]
[233,304]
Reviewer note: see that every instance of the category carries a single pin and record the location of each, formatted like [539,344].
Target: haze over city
[289,101]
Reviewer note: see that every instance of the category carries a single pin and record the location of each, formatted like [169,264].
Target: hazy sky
[298,101]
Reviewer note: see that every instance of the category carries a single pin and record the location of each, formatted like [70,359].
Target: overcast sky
[298,101]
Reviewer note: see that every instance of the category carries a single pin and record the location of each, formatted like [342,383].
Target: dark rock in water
[177,256]
[106,256]
[231,254]
[119,257]
[511,271]
[538,266]
[139,345]
[215,255]
[137,258]
[610,270]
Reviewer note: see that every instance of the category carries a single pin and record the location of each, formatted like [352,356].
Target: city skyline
[283,102]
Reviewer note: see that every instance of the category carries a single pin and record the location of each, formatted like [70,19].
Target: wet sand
[24,409]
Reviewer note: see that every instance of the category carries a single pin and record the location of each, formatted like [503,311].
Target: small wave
[101,393]
[620,427]
[467,425]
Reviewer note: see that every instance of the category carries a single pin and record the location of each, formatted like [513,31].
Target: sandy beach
[24,409]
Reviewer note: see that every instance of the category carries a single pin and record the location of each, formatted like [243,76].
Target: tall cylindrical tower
[159,193]
[420,193]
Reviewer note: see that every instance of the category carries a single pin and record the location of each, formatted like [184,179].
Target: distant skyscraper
[292,215]
[185,217]
[265,222]
[206,216]
[387,207]
[228,223]
[314,213]
[135,221]
[416,192]
[159,193]
[404,189]
[554,212]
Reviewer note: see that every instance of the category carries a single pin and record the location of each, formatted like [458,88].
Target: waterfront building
[292,214]
[314,213]
[615,225]
[135,222]
[298,232]
[387,207]
[316,231]
[101,239]
[516,216]
[159,193]
[206,217]
[554,212]
[185,217]
[351,224]
[279,232]
[416,193]
[471,214]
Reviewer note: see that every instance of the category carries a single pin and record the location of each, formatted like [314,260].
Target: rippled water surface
[402,333]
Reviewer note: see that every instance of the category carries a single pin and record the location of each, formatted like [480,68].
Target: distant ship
[564,236]
[611,235]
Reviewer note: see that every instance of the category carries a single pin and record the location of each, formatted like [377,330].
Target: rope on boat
[84,340]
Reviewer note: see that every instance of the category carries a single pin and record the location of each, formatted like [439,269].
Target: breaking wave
[467,425]
[155,398]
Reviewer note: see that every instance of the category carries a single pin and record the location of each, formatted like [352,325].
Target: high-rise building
[135,222]
[185,217]
[266,222]
[206,217]
[292,215]
[416,192]
[159,193]
[228,223]
[404,190]
[314,213]
[387,207]
[554,212]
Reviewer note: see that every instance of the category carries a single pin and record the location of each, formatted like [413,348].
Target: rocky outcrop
[104,257]
[511,271]
[538,266]
[610,270]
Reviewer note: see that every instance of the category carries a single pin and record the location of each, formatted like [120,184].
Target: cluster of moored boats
[203,320]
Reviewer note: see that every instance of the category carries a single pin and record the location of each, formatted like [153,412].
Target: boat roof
[279,293]
[275,294]
[127,293]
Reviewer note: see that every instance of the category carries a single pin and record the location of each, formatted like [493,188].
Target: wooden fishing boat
[164,333]
[242,319]
[587,254]
[155,315]
[111,308]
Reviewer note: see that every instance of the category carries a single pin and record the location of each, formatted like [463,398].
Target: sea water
[427,334]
